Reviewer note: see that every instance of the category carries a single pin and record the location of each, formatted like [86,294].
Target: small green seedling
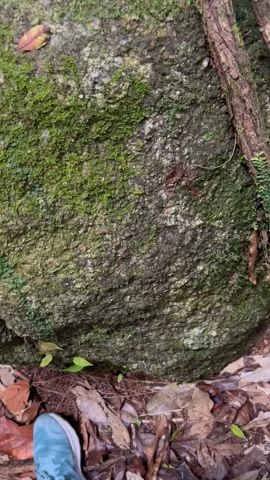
[46,348]
[236,431]
[120,378]
[46,360]
[79,364]
[137,422]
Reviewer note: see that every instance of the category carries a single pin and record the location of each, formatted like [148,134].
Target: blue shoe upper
[53,455]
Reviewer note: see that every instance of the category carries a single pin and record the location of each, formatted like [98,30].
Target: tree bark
[261,9]
[234,70]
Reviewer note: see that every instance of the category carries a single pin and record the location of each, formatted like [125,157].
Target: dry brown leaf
[234,366]
[96,448]
[252,257]
[27,415]
[128,413]
[6,375]
[261,374]
[199,414]
[252,459]
[136,466]
[144,443]
[133,476]
[244,414]
[15,440]
[258,394]
[92,405]
[15,396]
[225,449]
[185,472]
[251,475]
[262,420]
[169,398]
[34,39]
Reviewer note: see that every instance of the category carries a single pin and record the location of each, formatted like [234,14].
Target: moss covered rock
[94,254]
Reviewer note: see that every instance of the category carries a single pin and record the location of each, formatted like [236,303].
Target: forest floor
[135,428]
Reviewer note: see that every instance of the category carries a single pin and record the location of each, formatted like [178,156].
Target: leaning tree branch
[234,70]
[261,9]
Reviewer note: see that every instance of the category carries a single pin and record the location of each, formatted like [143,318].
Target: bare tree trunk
[234,70]
[261,9]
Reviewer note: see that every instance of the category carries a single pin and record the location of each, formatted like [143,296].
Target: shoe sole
[73,440]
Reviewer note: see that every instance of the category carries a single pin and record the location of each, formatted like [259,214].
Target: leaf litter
[143,428]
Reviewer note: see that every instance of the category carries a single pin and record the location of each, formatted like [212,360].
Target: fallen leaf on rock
[169,398]
[6,375]
[27,415]
[92,405]
[15,396]
[34,39]
[46,360]
[81,362]
[46,347]
[251,475]
[15,440]
[262,420]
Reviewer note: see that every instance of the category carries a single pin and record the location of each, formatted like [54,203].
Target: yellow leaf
[45,347]
[46,360]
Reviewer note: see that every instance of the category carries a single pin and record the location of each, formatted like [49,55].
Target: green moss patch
[60,151]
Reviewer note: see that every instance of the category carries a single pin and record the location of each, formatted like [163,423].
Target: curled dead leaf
[92,406]
[262,420]
[15,440]
[199,414]
[169,398]
[252,257]
[15,396]
[36,38]
[27,415]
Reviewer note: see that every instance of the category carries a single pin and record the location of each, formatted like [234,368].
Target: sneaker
[57,452]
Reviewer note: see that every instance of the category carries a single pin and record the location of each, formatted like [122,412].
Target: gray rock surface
[94,255]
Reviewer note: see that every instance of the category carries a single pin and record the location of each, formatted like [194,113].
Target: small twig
[223,164]
[64,396]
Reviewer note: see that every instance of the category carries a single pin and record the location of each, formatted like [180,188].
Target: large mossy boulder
[99,252]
